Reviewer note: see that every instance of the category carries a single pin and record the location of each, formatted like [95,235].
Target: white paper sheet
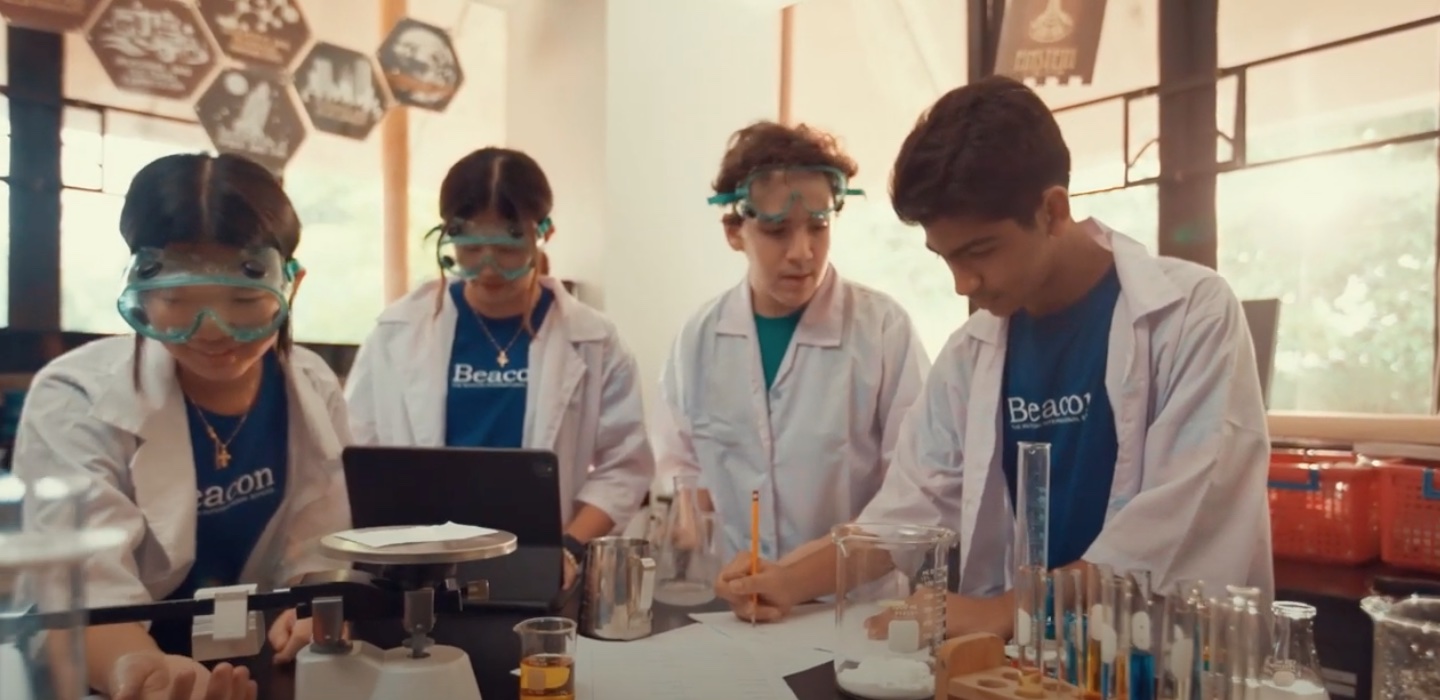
[417,534]
[691,663]
[807,627]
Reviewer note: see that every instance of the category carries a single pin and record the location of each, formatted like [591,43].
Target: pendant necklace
[222,447]
[502,357]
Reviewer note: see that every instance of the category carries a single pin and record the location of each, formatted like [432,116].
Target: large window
[336,187]
[1346,241]
[96,170]
[908,55]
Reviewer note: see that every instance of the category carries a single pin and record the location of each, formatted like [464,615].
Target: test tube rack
[974,667]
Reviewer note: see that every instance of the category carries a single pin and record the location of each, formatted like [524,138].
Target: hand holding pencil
[757,590]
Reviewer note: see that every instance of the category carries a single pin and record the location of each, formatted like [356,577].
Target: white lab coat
[1189,496]
[817,444]
[85,417]
[583,401]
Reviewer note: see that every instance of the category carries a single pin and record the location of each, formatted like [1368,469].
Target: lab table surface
[1343,635]
[278,683]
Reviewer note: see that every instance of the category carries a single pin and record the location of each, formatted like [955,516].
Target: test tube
[1030,586]
[1032,512]
[1184,643]
[1143,641]
[1070,624]
[1100,657]
[1217,675]
[1124,598]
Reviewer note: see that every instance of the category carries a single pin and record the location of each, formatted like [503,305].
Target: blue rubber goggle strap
[544,227]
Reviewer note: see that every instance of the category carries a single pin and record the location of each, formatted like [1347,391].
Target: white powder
[883,678]
[1300,689]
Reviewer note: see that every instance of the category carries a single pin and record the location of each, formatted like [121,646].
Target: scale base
[366,672]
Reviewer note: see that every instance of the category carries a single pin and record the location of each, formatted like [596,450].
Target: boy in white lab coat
[793,383]
[1138,370]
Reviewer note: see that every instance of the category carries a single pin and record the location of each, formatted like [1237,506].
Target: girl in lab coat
[496,354]
[1137,370]
[211,441]
[792,383]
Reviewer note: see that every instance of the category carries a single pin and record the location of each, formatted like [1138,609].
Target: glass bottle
[1292,669]
[689,560]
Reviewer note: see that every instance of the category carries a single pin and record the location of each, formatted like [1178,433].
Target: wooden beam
[395,164]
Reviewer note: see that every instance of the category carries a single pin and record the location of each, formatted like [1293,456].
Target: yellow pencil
[754,548]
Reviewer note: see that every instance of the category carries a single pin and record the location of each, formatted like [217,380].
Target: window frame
[1310,425]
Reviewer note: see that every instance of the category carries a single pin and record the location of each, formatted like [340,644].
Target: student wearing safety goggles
[502,356]
[211,440]
[1138,370]
[792,383]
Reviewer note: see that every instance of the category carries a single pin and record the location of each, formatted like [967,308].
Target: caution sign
[341,90]
[58,16]
[263,33]
[251,113]
[1050,39]
[420,65]
[155,47]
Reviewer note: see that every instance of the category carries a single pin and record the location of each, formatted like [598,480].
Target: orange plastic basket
[1410,530]
[1323,507]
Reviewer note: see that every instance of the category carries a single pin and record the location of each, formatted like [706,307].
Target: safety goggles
[169,294]
[771,194]
[466,250]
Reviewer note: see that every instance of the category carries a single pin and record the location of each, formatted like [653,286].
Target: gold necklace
[222,447]
[503,358]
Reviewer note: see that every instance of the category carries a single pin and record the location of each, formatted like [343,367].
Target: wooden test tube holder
[974,667]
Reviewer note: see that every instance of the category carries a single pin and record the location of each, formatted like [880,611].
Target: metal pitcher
[619,589]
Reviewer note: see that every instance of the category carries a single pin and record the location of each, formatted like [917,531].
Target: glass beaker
[1292,668]
[547,658]
[1407,646]
[689,561]
[889,608]
[43,547]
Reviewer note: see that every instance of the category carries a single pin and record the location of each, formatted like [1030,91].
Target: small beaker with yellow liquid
[547,658]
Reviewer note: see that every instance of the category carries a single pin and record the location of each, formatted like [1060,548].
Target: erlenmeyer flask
[1292,669]
[689,561]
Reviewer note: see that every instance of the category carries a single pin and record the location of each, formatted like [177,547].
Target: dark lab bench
[1343,636]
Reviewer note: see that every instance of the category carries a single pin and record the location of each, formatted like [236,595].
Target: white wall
[630,124]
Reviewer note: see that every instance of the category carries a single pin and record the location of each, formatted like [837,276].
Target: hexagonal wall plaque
[155,47]
[420,65]
[57,16]
[268,33]
[251,113]
[341,91]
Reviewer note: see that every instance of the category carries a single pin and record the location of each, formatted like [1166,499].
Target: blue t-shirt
[237,501]
[485,402]
[1054,392]
[773,335]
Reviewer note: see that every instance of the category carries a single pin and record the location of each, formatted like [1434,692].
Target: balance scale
[333,667]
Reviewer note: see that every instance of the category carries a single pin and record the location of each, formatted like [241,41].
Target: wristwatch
[574,550]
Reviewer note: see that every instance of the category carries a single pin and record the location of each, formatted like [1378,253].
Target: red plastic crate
[1410,502]
[1324,507]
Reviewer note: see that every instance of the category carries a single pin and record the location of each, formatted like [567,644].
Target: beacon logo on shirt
[1029,415]
[465,376]
[244,487]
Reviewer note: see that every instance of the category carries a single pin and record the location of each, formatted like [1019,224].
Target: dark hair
[503,179]
[769,144]
[200,198]
[987,150]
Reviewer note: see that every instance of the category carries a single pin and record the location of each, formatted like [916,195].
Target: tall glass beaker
[43,547]
[689,560]
[889,608]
